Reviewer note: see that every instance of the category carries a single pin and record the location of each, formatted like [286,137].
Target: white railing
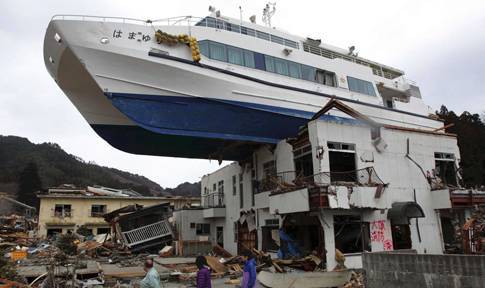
[147,233]
[172,21]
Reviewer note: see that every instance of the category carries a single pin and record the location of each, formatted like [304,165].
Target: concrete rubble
[73,260]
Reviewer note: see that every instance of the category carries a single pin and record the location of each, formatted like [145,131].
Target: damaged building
[67,208]
[344,182]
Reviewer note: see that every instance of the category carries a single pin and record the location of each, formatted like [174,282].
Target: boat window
[211,22]
[325,77]
[233,27]
[249,59]
[277,39]
[217,51]
[234,55]
[281,66]
[269,63]
[247,31]
[202,22]
[204,48]
[219,24]
[262,35]
[307,73]
[361,86]
[259,61]
[243,57]
[291,43]
[294,69]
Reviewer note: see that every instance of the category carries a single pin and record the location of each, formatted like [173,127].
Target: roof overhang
[400,212]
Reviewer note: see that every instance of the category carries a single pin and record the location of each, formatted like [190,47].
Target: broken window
[270,235]
[220,194]
[234,187]
[62,210]
[342,162]
[302,156]
[202,228]
[104,230]
[269,168]
[445,168]
[352,235]
[53,231]
[220,236]
[98,210]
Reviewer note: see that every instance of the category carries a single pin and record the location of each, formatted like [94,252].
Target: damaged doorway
[306,232]
[401,237]
[246,239]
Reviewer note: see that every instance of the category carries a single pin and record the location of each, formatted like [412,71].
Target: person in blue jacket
[249,271]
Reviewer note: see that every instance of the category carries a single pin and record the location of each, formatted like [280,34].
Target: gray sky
[439,44]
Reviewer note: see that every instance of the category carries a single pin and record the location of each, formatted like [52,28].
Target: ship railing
[172,21]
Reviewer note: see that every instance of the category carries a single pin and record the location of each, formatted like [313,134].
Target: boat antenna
[268,13]
[240,14]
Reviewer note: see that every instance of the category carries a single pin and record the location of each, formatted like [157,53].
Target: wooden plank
[215,265]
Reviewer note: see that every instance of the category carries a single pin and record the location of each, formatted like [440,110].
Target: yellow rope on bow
[169,39]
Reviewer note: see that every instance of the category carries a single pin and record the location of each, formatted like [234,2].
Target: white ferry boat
[146,93]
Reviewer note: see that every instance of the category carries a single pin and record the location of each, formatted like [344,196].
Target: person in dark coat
[204,273]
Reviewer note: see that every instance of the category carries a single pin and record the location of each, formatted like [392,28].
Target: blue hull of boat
[199,127]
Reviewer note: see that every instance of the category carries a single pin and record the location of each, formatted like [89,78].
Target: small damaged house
[344,182]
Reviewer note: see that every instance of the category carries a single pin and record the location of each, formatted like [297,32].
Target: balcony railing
[289,181]
[277,181]
[213,200]
[362,177]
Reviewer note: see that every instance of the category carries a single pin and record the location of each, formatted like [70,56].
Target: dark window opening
[104,230]
[342,162]
[234,186]
[241,191]
[62,210]
[53,231]
[202,229]
[389,104]
[98,210]
[401,237]
[351,234]
[220,236]
[445,168]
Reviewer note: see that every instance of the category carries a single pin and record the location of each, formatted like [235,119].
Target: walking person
[204,273]
[152,278]
[249,271]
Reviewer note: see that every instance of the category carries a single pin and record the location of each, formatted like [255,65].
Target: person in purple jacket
[249,271]
[204,274]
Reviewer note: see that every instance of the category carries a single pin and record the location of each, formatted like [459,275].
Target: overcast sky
[439,44]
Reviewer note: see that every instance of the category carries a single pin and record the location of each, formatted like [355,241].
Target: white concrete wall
[403,176]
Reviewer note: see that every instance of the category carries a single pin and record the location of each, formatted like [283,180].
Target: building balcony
[359,188]
[214,212]
[214,205]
